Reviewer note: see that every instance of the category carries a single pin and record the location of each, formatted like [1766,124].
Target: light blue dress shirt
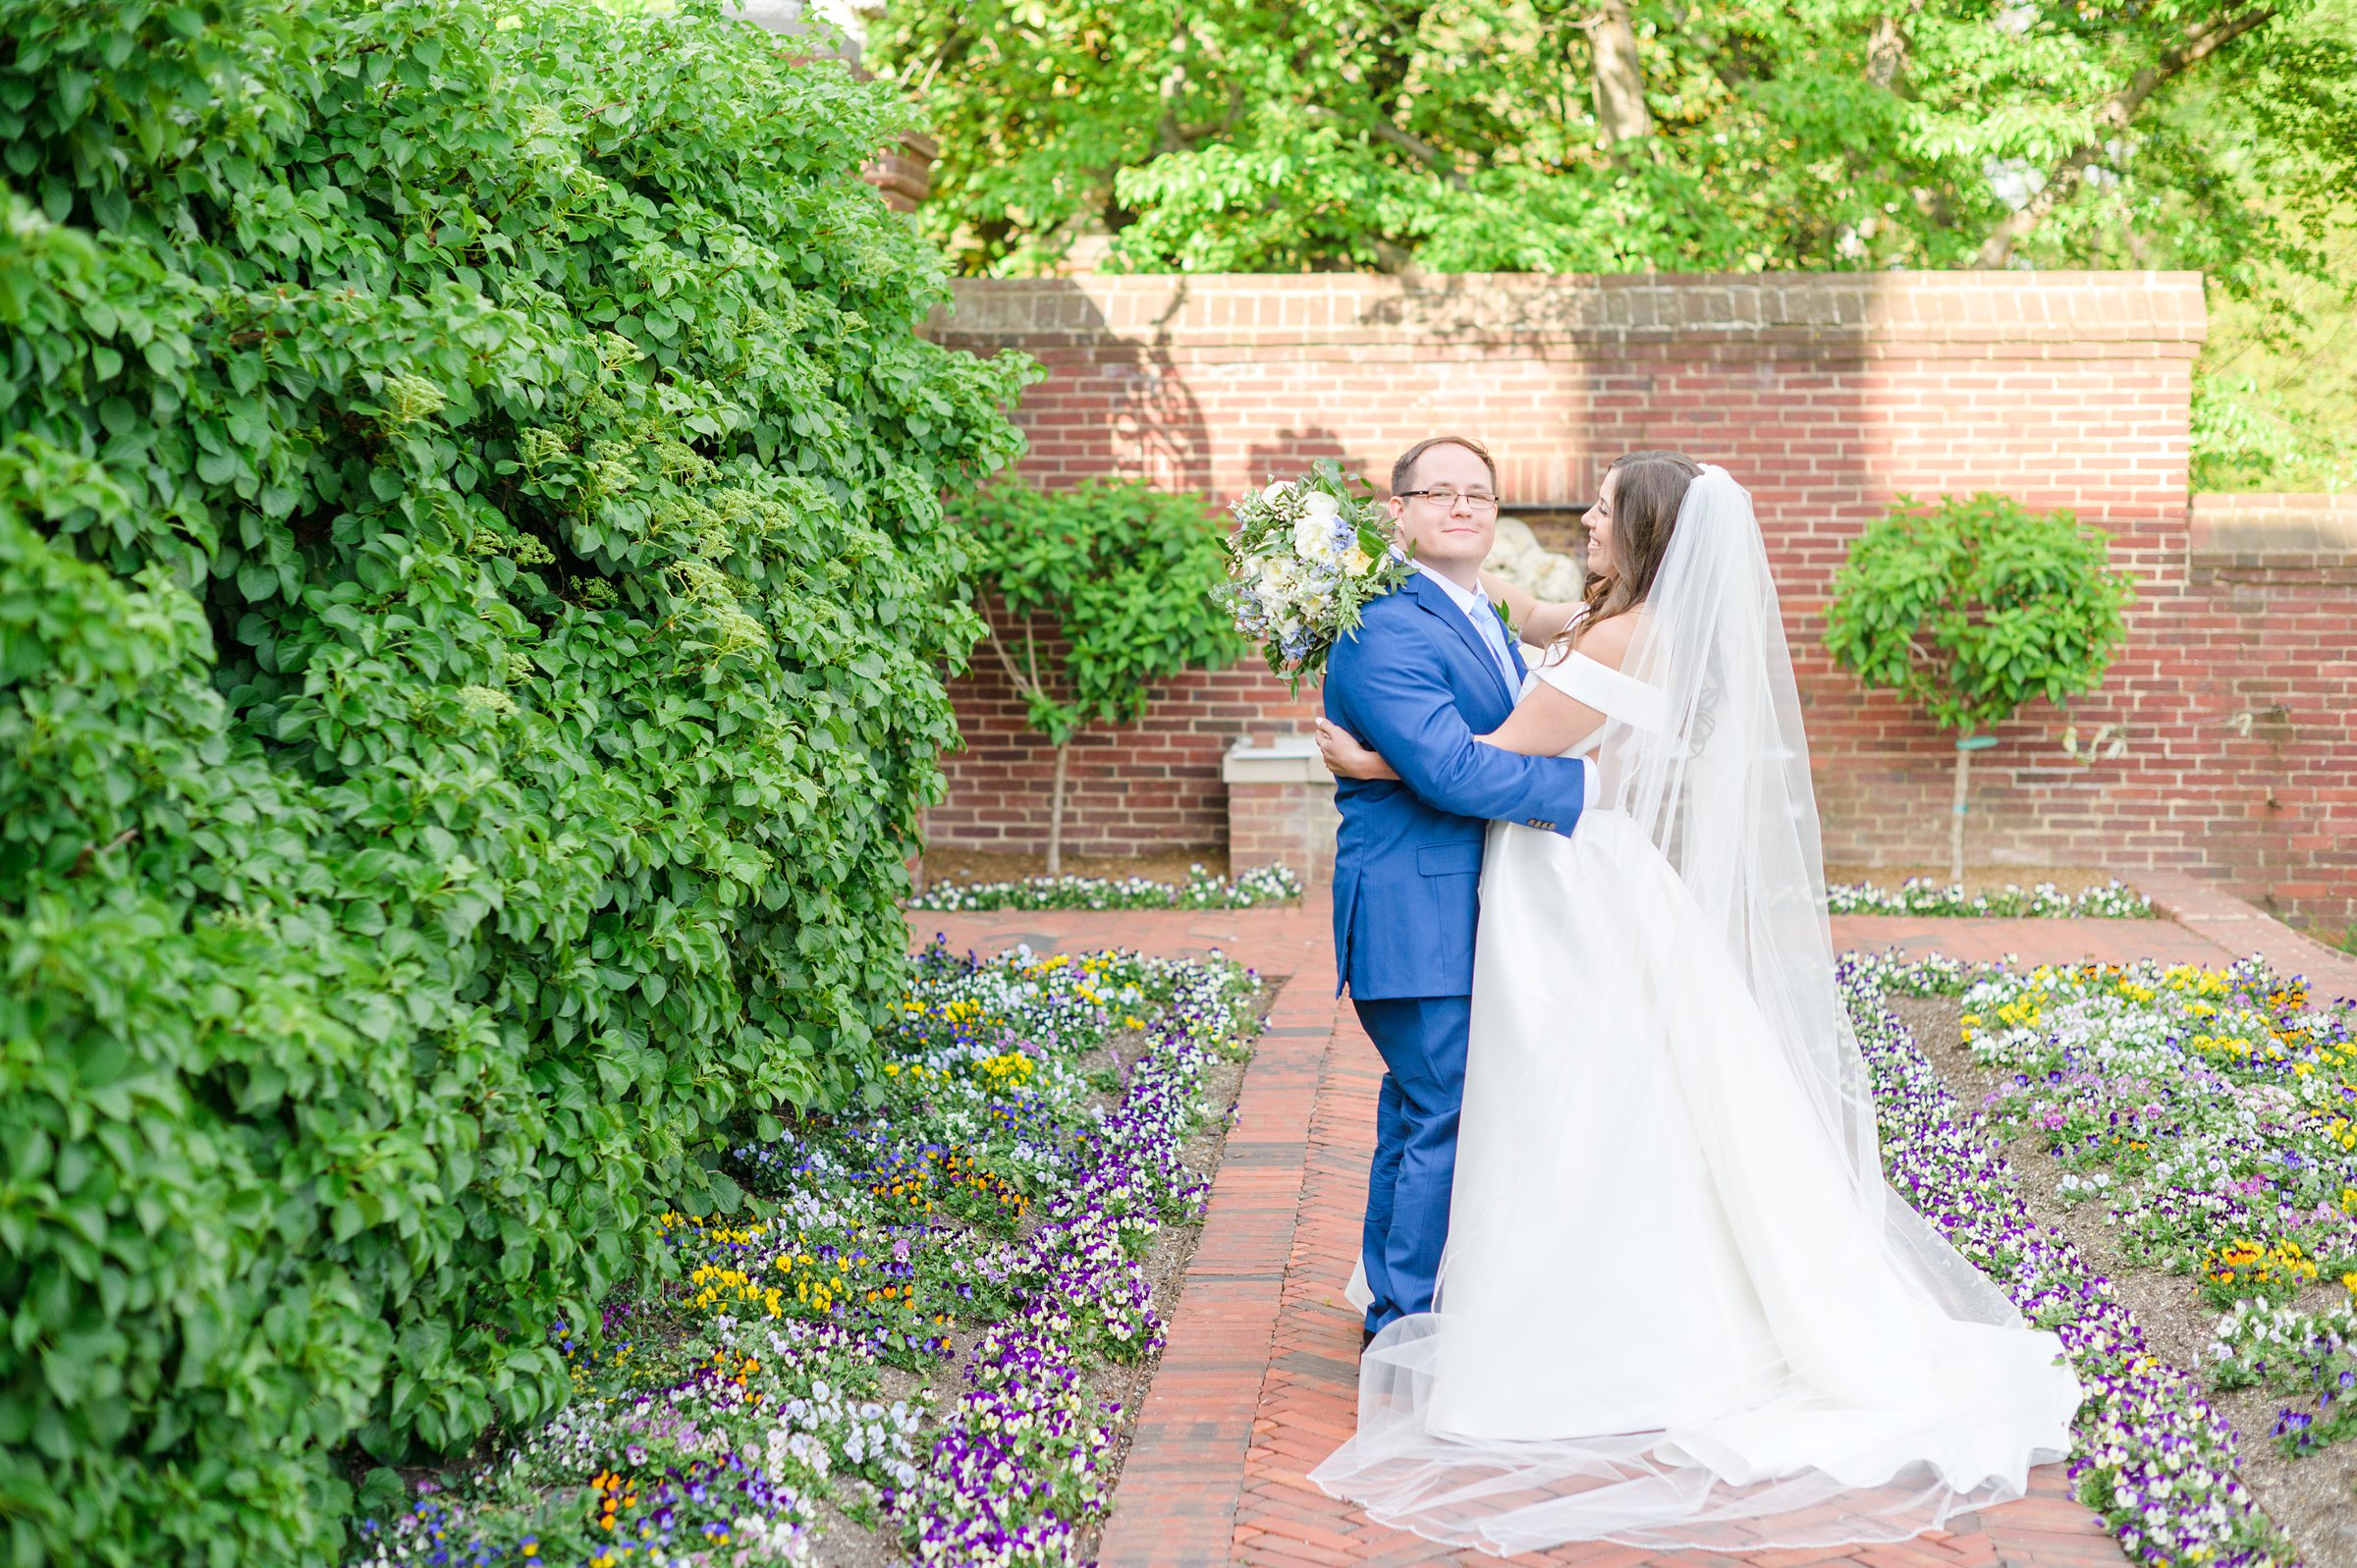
[1476,606]
[1475,603]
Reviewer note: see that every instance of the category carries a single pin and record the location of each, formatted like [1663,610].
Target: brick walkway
[1259,1380]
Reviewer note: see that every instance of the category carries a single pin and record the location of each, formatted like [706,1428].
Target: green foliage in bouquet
[1308,557]
[472,588]
[1121,573]
[1972,607]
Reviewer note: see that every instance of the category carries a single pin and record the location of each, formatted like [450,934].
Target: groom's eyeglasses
[1446,500]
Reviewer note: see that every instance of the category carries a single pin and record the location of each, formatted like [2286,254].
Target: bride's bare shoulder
[1606,642]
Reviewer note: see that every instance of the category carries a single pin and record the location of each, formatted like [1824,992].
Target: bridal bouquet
[1306,557]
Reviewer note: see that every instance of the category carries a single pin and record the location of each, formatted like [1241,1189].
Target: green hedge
[473,587]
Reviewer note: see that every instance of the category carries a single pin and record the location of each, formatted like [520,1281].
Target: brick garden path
[1259,1380]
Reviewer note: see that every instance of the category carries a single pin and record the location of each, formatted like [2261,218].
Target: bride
[1679,1305]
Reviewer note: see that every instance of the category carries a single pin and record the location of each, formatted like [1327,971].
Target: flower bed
[1920,895]
[986,1219]
[1262,885]
[2214,1114]
[2150,1455]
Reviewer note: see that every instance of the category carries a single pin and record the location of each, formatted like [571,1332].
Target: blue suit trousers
[1422,1041]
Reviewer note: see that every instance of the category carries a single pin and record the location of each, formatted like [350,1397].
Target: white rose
[1273,491]
[1321,506]
[1312,537]
[1357,563]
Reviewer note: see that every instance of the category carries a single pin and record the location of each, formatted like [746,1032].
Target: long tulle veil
[1724,791]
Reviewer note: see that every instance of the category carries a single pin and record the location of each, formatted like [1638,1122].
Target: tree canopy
[1972,607]
[1616,135]
[1623,135]
[1121,575]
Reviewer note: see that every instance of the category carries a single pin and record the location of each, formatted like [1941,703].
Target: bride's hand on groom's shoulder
[1346,758]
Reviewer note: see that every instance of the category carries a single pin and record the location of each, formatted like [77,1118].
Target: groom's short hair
[1405,468]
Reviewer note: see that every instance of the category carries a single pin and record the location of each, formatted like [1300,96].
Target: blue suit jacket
[1416,683]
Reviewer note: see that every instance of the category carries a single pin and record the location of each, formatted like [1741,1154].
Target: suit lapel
[1434,598]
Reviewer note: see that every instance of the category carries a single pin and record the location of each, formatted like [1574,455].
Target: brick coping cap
[2148,309]
[1282,759]
[2243,928]
[2300,529]
[2340,506]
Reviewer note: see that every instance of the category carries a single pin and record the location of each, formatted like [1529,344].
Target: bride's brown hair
[1652,486]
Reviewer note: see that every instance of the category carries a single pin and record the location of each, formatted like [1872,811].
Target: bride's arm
[1545,724]
[1549,722]
[1537,621]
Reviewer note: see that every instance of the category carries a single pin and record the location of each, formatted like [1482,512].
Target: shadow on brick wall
[1289,453]
[1116,402]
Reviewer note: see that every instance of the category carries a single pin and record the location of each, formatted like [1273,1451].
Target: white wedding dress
[1678,1305]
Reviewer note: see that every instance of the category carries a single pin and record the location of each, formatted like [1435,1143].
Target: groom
[1429,668]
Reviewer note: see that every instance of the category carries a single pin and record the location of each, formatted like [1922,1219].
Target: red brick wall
[1151,787]
[1828,396]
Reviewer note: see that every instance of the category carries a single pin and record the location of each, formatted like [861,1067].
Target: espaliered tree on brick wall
[1970,607]
[473,584]
[1116,577]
